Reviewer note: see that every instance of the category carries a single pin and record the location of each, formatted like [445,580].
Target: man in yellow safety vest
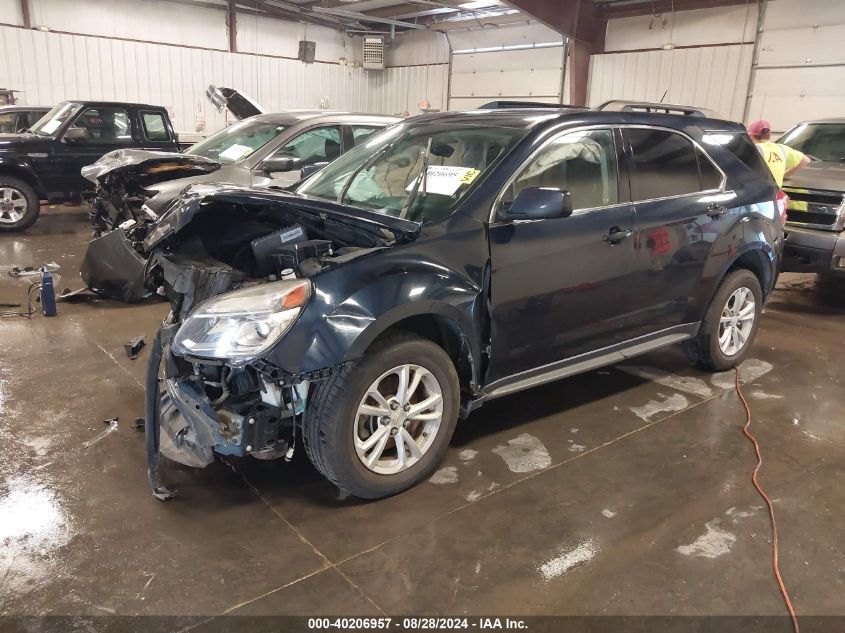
[783,161]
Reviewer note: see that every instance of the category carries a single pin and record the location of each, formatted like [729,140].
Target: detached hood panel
[148,166]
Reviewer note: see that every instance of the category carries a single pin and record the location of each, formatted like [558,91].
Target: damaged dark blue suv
[451,259]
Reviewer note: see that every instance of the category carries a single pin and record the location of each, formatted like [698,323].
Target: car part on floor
[48,293]
[134,347]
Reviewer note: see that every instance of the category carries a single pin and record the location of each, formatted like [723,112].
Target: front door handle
[617,234]
[715,210]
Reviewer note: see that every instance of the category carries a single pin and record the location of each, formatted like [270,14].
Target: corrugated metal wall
[801,65]
[50,67]
[714,77]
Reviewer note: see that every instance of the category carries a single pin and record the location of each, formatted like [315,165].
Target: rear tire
[336,431]
[730,324]
[19,204]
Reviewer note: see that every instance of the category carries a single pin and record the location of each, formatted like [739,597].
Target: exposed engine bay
[123,179]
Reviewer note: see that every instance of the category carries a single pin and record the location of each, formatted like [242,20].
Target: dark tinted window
[711,178]
[741,146]
[665,164]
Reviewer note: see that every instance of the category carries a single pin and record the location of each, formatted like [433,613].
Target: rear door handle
[617,234]
[715,210]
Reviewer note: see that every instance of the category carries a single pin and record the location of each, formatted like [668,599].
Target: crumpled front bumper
[114,268]
[190,429]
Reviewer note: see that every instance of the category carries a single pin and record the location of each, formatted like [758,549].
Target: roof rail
[498,105]
[619,105]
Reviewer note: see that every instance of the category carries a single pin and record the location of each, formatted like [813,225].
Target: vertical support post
[27,19]
[579,66]
[231,26]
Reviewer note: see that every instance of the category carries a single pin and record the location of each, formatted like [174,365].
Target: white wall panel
[50,67]
[711,77]
[683,28]
[10,12]
[150,20]
[267,36]
[417,47]
[801,64]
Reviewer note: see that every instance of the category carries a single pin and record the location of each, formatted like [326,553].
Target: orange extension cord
[775,566]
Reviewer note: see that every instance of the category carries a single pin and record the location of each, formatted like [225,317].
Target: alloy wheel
[12,205]
[737,321]
[398,419]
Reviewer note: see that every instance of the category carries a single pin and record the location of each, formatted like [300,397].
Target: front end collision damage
[375,277]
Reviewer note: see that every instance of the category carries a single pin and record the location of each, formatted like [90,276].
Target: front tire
[729,327]
[19,204]
[383,425]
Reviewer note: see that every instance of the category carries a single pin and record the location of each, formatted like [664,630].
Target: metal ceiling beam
[363,17]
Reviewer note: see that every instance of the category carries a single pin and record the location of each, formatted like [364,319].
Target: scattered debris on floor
[608,514]
[524,453]
[134,347]
[583,552]
[713,543]
[112,427]
[139,425]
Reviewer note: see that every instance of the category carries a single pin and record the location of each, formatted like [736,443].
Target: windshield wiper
[365,165]
[422,179]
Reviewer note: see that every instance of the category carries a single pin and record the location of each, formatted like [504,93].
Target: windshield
[825,141]
[52,121]
[381,175]
[237,141]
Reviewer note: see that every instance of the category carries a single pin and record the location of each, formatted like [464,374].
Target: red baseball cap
[758,128]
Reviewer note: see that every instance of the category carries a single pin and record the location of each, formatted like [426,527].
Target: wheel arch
[24,173]
[441,326]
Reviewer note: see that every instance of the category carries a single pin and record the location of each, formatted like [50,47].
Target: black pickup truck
[44,162]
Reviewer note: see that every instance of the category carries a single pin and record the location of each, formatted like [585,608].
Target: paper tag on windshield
[446,180]
[235,152]
[51,126]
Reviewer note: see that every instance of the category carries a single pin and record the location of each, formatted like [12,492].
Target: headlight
[240,325]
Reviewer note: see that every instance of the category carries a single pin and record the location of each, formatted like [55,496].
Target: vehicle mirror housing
[310,169]
[74,134]
[536,203]
[281,163]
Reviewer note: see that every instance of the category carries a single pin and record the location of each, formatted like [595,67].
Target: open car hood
[152,166]
[240,105]
[197,198]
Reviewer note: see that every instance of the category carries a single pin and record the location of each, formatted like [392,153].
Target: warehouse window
[582,163]
[155,128]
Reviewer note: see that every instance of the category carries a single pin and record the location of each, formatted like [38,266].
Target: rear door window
[664,164]
[360,132]
[711,178]
[105,125]
[155,127]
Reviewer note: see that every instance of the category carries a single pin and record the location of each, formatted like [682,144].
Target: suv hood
[375,228]
[25,142]
[147,165]
[820,174]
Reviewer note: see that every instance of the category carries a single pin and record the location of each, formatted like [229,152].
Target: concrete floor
[622,491]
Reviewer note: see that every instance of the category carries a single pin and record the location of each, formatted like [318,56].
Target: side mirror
[310,169]
[74,134]
[537,203]
[280,163]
